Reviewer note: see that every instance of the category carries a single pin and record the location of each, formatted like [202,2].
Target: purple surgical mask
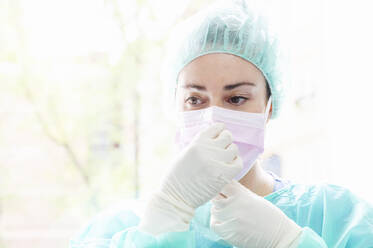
[247,129]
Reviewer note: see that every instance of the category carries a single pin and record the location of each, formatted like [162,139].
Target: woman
[227,86]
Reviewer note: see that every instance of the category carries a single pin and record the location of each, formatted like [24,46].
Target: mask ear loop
[268,107]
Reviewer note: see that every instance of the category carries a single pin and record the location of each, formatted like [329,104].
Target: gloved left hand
[197,175]
[245,219]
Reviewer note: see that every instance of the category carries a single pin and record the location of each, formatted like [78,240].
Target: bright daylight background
[81,121]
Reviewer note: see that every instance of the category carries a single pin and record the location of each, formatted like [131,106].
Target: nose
[215,101]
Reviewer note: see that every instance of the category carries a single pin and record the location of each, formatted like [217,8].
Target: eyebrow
[226,87]
[194,86]
[232,86]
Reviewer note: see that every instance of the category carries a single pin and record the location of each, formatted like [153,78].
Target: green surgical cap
[226,27]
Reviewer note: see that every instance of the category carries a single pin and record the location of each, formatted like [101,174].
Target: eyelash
[198,98]
[240,97]
[191,97]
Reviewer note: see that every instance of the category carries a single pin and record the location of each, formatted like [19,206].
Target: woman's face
[222,80]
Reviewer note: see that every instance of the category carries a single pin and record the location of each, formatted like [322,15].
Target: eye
[237,100]
[193,100]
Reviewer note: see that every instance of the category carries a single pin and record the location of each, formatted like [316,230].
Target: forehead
[218,69]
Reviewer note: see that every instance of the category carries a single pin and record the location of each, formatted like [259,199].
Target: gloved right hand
[198,174]
[244,219]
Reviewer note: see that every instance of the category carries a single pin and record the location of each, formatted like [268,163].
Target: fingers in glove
[222,227]
[231,169]
[232,189]
[219,202]
[225,171]
[216,154]
[233,148]
[229,155]
[212,131]
[224,139]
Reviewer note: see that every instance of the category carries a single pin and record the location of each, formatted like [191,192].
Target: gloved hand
[198,174]
[245,219]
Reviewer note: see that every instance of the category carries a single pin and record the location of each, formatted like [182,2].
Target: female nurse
[227,86]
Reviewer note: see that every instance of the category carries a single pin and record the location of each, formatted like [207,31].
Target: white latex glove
[245,219]
[198,174]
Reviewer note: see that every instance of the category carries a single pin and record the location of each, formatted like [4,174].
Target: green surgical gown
[331,216]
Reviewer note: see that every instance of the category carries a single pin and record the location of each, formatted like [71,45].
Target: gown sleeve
[310,239]
[119,230]
[347,219]
[131,238]
[336,218]
[331,217]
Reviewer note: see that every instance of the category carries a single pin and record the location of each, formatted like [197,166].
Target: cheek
[252,108]
[259,101]
[255,104]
